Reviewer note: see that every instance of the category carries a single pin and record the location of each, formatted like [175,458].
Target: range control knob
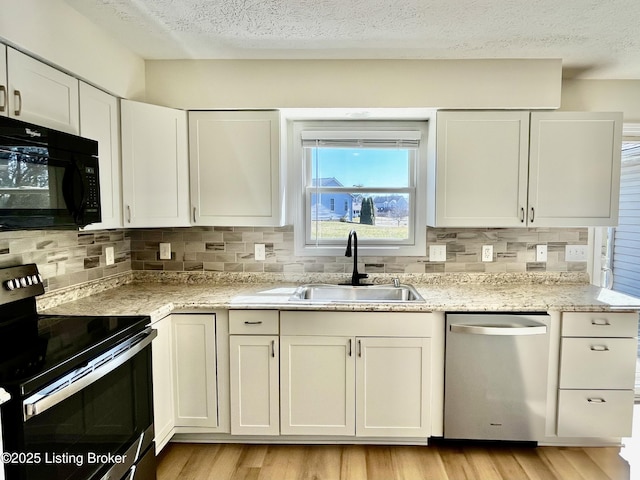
[23,282]
[10,285]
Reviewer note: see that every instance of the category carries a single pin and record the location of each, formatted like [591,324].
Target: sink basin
[322,293]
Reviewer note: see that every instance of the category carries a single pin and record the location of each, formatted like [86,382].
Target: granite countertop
[157,296]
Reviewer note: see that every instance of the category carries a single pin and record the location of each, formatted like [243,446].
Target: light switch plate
[165,251]
[109,256]
[575,253]
[541,253]
[487,253]
[437,253]
[260,252]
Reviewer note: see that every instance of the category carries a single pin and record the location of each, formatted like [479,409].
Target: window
[376,170]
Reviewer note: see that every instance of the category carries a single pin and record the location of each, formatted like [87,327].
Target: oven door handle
[82,378]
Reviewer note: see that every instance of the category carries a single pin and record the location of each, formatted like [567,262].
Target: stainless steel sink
[324,293]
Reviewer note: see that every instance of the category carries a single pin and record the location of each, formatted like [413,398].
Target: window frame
[299,184]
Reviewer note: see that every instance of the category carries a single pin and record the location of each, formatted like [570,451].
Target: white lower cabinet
[163,416]
[194,370]
[597,374]
[377,384]
[317,385]
[254,385]
[392,387]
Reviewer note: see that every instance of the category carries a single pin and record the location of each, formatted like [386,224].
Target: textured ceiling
[594,38]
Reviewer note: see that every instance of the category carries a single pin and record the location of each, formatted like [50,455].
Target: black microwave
[48,179]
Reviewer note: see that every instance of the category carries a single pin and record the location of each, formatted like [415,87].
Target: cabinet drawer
[598,363]
[253,322]
[599,324]
[595,413]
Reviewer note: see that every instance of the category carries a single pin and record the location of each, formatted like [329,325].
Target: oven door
[95,423]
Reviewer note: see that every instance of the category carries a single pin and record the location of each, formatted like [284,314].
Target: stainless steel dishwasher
[496,376]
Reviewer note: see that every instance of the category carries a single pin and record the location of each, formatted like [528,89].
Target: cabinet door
[254,385]
[235,168]
[41,94]
[155,176]
[99,120]
[393,387]
[317,385]
[4,93]
[194,366]
[574,176]
[481,169]
[163,414]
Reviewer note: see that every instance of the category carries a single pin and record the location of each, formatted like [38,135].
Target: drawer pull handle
[259,322]
[601,322]
[599,348]
[596,400]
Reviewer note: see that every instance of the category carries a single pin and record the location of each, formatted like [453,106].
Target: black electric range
[80,389]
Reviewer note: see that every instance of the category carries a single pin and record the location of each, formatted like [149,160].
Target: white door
[481,169]
[574,169]
[235,168]
[194,366]
[393,387]
[41,94]
[4,93]
[317,385]
[155,166]
[99,120]
[163,414]
[255,393]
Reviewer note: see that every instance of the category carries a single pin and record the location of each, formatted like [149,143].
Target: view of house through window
[362,184]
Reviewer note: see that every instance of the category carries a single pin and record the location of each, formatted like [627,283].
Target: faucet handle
[396,282]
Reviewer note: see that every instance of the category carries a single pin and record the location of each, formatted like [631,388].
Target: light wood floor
[435,462]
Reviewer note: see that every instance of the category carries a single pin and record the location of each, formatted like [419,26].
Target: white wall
[53,31]
[193,84]
[603,96]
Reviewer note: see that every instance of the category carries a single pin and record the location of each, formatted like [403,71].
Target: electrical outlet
[165,251]
[487,253]
[260,252]
[437,253]
[109,255]
[541,253]
[575,253]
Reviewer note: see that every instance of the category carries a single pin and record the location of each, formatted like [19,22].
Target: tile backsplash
[68,258]
[231,249]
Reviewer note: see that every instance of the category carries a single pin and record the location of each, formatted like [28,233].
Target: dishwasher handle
[498,330]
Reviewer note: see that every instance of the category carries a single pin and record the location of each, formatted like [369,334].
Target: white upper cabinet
[4,99]
[40,94]
[235,168]
[506,169]
[481,173]
[574,169]
[99,120]
[155,166]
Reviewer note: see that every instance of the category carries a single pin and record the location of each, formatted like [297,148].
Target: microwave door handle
[71,182]
[51,396]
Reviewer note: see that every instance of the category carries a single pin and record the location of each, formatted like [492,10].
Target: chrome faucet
[355,278]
